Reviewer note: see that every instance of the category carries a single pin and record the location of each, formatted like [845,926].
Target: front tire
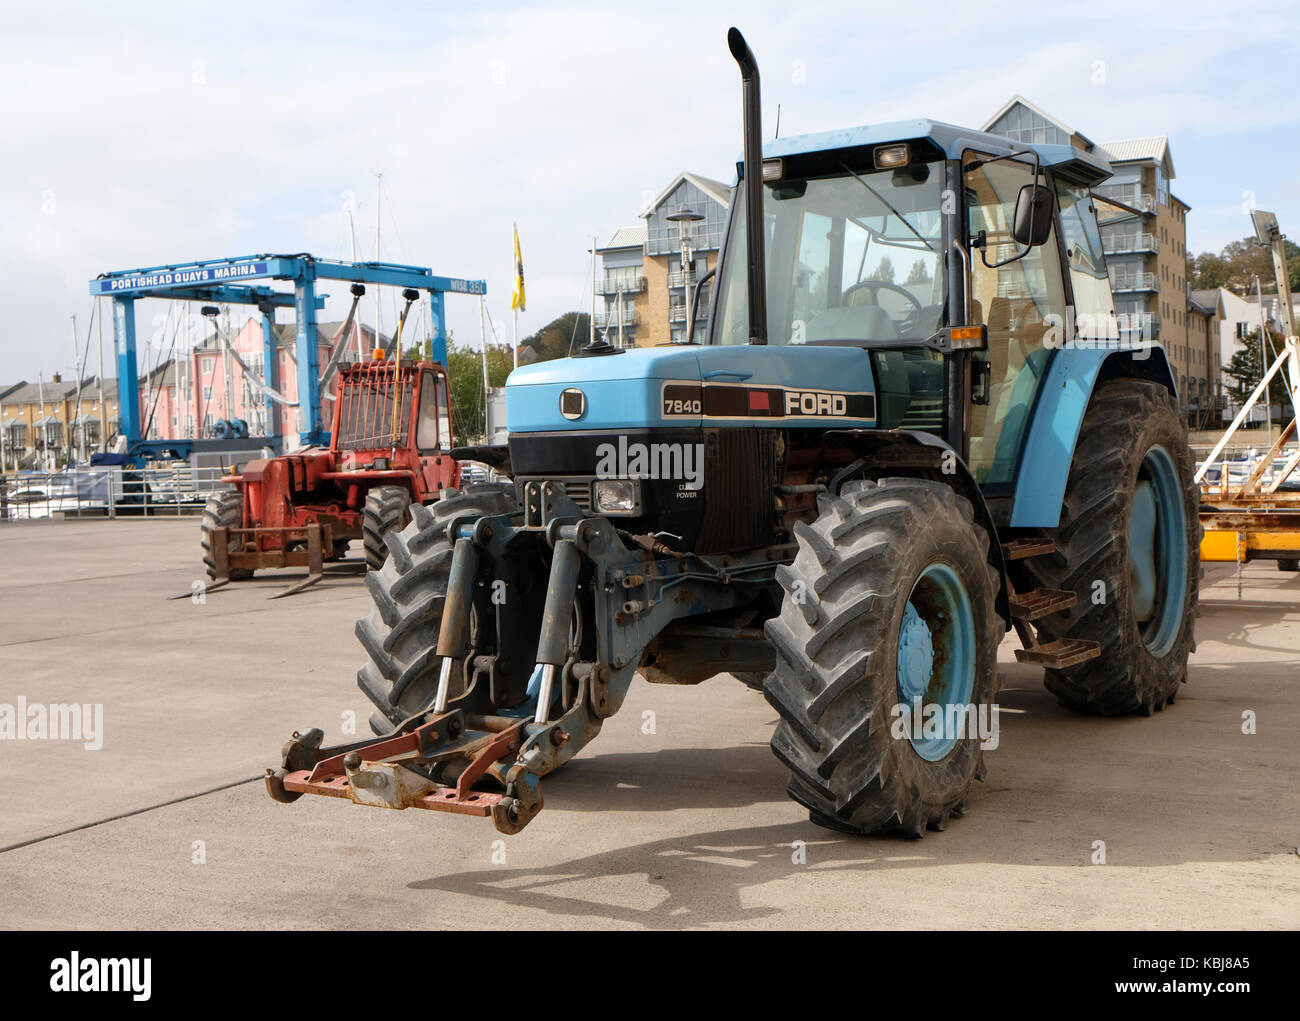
[890,598]
[387,509]
[222,510]
[400,635]
[1129,547]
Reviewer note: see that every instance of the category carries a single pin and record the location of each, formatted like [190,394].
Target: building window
[208,365]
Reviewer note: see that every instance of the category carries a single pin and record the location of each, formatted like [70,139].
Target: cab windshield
[853,259]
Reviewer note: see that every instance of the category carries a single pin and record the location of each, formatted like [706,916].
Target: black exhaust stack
[753,111]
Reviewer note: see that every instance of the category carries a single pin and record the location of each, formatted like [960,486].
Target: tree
[465,368]
[1237,266]
[465,371]
[883,272]
[1207,271]
[920,273]
[554,339]
[1246,372]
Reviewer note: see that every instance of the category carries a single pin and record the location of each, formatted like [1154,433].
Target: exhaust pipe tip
[740,50]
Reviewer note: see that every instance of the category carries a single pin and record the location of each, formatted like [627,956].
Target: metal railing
[1120,244]
[612,318]
[628,285]
[108,492]
[1134,282]
[1129,196]
[1138,325]
[681,279]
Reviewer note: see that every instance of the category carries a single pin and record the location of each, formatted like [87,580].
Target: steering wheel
[874,285]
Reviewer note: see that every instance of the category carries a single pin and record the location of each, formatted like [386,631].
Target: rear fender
[884,453]
[1049,447]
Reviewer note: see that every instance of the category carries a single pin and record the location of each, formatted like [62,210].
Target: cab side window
[433,430]
[1013,301]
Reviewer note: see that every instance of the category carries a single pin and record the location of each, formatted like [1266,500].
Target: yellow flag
[517,300]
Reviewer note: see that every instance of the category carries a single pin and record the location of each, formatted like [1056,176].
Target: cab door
[1014,301]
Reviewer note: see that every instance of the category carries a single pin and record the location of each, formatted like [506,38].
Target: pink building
[187,397]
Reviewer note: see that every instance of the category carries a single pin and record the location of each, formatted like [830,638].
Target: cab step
[1019,549]
[1062,653]
[1040,602]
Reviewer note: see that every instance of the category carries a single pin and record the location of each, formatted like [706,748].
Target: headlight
[617,496]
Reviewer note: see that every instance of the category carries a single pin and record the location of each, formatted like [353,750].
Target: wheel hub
[915,655]
[936,657]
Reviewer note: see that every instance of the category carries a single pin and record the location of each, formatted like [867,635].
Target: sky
[138,134]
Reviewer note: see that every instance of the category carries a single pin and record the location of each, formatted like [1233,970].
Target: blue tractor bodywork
[665,493]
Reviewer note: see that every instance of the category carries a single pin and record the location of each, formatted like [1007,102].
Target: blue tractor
[913,425]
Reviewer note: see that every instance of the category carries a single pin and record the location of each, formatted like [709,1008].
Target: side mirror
[1035,211]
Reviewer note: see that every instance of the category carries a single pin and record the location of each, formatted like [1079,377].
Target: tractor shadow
[1062,782]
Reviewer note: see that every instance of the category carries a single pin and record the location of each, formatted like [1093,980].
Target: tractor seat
[855,322]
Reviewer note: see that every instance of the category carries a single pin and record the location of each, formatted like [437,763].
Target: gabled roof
[1017,98]
[288,333]
[7,388]
[1130,150]
[286,336]
[626,237]
[30,393]
[1208,300]
[716,190]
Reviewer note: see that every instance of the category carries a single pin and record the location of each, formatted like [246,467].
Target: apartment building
[648,272]
[44,421]
[211,387]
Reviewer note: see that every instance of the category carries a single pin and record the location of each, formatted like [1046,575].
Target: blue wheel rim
[1157,538]
[936,658]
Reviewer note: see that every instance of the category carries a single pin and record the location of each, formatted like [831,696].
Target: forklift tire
[1129,522]
[400,635]
[222,510]
[891,598]
[387,509]
[1289,564]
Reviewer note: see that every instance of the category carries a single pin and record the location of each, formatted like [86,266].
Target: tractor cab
[958,262]
[391,415]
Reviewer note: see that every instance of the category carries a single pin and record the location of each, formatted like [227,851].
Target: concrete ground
[687,826]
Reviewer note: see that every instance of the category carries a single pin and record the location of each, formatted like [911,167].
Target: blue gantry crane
[236,281]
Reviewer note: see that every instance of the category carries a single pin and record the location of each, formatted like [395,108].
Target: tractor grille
[577,486]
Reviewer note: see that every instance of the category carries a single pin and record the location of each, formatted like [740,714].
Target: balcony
[626,284]
[1129,196]
[1138,325]
[1129,282]
[611,318]
[1123,244]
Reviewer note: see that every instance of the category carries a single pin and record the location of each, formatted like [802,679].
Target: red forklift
[390,447]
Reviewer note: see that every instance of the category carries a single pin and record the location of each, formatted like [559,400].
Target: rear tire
[1288,565]
[400,635]
[222,510]
[874,573]
[387,509]
[1144,654]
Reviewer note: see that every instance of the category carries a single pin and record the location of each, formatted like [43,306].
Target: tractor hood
[688,385]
